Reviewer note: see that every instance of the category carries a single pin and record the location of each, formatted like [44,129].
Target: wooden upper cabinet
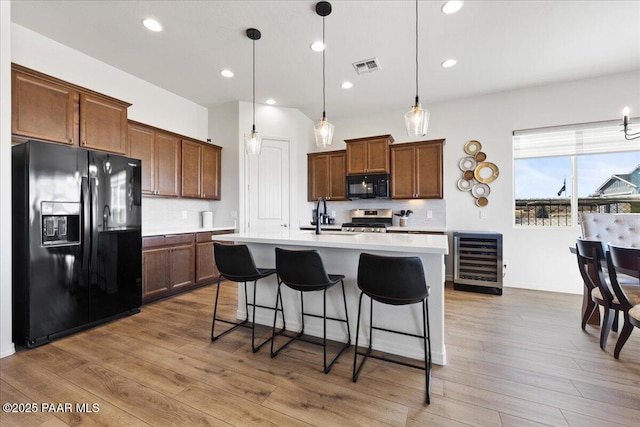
[103,124]
[191,169]
[50,109]
[326,175]
[44,109]
[168,159]
[211,165]
[141,146]
[201,165]
[160,155]
[416,170]
[368,155]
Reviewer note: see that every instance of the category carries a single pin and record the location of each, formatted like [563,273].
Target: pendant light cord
[254,87]
[417,52]
[324,48]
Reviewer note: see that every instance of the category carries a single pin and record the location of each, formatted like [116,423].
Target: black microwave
[368,186]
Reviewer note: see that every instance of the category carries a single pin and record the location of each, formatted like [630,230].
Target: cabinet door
[205,265]
[182,266]
[167,163]
[211,163]
[44,110]
[429,171]
[103,124]
[318,176]
[191,172]
[377,156]
[356,157]
[155,267]
[337,176]
[402,171]
[141,147]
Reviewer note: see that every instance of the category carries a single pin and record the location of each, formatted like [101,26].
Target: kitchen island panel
[340,254]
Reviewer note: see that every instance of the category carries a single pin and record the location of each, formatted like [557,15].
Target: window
[564,170]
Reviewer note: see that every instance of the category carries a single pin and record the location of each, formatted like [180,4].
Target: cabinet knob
[84,142]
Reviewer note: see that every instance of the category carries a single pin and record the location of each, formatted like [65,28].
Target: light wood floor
[516,360]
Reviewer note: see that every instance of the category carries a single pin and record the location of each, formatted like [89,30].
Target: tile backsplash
[418,218]
[173,213]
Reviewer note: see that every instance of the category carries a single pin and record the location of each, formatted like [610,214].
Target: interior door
[268,187]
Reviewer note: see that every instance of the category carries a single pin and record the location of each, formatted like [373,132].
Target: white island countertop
[392,242]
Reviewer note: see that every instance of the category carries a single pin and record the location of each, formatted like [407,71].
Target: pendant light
[323,130]
[417,119]
[253,141]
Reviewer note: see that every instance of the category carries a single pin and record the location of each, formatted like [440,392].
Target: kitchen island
[340,252]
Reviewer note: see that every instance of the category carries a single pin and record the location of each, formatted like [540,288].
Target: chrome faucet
[106,213]
[324,211]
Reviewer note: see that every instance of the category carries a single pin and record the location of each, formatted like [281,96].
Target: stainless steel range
[369,220]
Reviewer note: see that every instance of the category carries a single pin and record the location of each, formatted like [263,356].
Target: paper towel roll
[207,219]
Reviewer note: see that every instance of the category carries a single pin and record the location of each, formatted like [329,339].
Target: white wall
[280,123]
[6,342]
[150,104]
[537,258]
[223,131]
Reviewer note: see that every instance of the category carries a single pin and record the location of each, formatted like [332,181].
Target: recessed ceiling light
[449,63]
[271,101]
[452,6]
[346,85]
[152,24]
[226,73]
[317,46]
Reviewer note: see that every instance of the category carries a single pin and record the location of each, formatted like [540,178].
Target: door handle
[284,225]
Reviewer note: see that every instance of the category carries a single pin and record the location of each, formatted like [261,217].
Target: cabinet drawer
[167,240]
[204,237]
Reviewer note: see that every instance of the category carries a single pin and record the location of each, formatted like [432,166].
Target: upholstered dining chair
[625,261]
[591,257]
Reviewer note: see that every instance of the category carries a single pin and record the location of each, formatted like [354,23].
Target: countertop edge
[188,230]
[404,244]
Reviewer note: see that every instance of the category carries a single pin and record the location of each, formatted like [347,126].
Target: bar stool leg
[427,349]
[215,318]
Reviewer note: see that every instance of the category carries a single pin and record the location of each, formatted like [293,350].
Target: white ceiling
[499,45]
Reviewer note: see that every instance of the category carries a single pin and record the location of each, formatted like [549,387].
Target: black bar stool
[394,281]
[304,271]
[236,264]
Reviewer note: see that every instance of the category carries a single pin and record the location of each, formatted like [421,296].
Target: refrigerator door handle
[86,223]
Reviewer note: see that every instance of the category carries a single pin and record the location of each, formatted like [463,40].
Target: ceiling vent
[366,66]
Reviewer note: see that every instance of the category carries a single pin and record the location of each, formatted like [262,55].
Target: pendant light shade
[417,119]
[323,130]
[252,140]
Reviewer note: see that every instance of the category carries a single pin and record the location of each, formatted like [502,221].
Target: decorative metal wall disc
[482,202]
[468,175]
[472,147]
[464,184]
[480,190]
[481,156]
[486,172]
[467,163]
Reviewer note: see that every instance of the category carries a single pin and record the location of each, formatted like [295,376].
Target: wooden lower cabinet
[177,263]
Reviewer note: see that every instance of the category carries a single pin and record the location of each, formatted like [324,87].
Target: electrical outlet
[184,214]
[483,214]
[429,214]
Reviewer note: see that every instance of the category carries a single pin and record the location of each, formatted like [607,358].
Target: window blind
[573,140]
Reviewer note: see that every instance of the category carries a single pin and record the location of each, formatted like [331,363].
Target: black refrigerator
[77,245]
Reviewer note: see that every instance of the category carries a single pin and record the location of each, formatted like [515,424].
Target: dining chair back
[623,261]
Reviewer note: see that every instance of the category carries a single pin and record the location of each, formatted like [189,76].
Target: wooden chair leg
[627,328]
[588,311]
[607,323]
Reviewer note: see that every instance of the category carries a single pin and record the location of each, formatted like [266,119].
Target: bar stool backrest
[235,262]
[392,280]
[301,270]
